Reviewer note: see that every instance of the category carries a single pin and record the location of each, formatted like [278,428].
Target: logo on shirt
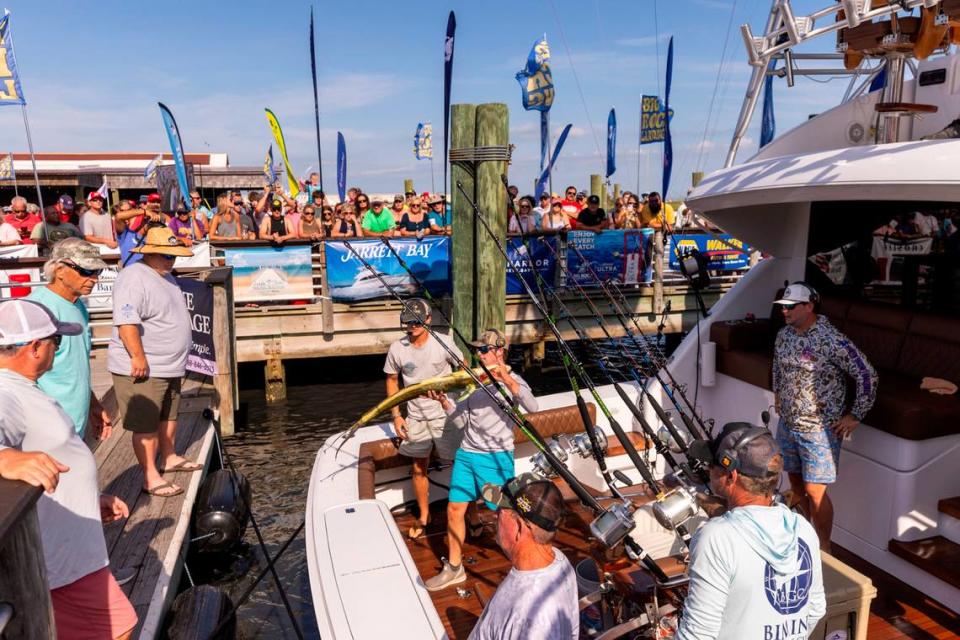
[126,309]
[788,594]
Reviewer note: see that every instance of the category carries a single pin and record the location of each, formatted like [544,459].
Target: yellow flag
[278,137]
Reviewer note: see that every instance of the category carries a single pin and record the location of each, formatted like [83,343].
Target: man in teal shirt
[71,272]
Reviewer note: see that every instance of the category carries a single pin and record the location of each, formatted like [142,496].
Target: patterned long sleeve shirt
[809,372]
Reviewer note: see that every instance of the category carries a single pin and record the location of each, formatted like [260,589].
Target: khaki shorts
[424,435]
[145,402]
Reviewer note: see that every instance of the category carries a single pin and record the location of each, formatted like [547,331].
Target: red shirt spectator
[65,208]
[21,220]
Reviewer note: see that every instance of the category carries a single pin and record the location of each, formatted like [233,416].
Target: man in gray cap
[72,271]
[38,445]
[754,571]
[416,357]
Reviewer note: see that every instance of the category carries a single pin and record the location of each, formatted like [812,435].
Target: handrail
[17,499]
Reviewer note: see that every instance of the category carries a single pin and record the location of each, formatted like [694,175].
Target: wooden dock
[154,539]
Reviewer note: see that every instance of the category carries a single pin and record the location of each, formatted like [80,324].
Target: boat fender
[222,511]
[196,613]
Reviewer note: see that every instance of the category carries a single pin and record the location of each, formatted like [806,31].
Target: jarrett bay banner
[350,281]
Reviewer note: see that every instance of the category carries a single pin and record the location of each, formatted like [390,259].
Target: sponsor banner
[541,257]
[723,252]
[889,253]
[653,125]
[199,299]
[833,264]
[350,281]
[101,298]
[13,276]
[618,255]
[270,273]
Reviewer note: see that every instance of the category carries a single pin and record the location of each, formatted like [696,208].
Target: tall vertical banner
[537,92]
[542,181]
[667,141]
[10,90]
[269,171]
[611,143]
[7,171]
[341,167]
[768,127]
[423,141]
[282,146]
[316,99]
[447,78]
[176,148]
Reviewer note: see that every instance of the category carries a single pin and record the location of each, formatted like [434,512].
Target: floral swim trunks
[813,454]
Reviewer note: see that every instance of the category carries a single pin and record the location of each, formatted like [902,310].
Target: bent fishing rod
[611,525]
[695,425]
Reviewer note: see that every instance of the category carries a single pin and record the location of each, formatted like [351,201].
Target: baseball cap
[23,321]
[65,201]
[753,457]
[374,201]
[490,338]
[153,197]
[536,500]
[797,292]
[78,252]
[94,195]
[276,204]
[593,200]
[414,310]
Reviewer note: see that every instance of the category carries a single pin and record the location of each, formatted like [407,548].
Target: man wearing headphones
[810,364]
[755,571]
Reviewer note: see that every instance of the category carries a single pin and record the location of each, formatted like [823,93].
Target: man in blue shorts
[486,451]
[810,364]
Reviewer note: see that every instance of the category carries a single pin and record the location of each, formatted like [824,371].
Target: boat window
[899,253]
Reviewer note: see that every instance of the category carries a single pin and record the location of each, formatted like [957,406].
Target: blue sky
[93,72]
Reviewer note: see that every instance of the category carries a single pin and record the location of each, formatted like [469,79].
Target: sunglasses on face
[86,273]
[168,258]
[487,348]
[413,324]
[791,306]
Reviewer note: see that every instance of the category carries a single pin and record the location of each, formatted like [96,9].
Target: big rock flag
[536,80]
[269,171]
[653,124]
[6,168]
[423,141]
[282,146]
[10,90]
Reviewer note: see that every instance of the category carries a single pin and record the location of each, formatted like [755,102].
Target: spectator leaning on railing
[21,219]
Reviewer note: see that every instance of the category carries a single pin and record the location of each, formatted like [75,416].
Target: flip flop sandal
[185,466]
[416,531]
[160,487]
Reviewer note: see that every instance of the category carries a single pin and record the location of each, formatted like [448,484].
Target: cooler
[848,594]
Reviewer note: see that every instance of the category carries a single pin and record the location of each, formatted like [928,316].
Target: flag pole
[316,100]
[433,186]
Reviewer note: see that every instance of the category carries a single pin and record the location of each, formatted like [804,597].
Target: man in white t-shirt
[538,598]
[755,571]
[412,359]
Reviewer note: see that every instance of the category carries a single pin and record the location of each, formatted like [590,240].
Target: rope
[716,84]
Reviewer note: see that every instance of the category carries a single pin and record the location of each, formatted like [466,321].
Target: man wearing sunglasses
[538,598]
[486,451]
[72,271]
[39,445]
[810,364]
[411,359]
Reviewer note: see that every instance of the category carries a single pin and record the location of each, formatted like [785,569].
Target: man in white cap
[39,444]
[72,271]
[148,357]
[810,364]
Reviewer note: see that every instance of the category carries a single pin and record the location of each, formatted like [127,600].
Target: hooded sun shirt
[755,573]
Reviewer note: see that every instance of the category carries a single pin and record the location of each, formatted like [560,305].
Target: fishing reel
[559,445]
[674,508]
[613,524]
[581,444]
[665,437]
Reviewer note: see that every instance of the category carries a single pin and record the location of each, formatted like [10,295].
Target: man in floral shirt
[811,363]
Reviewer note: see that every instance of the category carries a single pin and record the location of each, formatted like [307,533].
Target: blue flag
[768,128]
[341,167]
[448,42]
[176,148]
[544,138]
[879,81]
[667,141]
[269,171]
[542,181]
[611,142]
[10,90]
[536,80]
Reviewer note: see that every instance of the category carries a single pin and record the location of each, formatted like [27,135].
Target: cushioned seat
[905,410]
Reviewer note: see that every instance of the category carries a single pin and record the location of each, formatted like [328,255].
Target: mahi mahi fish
[457,380]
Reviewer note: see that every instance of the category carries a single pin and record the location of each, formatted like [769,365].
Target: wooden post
[657,271]
[616,191]
[24,583]
[326,304]
[407,186]
[462,135]
[492,131]
[275,380]
[596,186]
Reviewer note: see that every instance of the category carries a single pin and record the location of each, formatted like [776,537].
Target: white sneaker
[448,576]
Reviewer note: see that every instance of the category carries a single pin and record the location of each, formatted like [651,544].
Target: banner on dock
[723,252]
[7,171]
[10,91]
[617,255]
[539,255]
[199,299]
[536,80]
[350,281]
[889,253]
[653,124]
[271,273]
[12,276]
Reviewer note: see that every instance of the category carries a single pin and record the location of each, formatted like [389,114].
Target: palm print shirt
[809,376]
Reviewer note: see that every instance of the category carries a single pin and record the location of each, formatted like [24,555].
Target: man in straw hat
[148,357]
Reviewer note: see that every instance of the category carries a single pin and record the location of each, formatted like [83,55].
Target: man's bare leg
[456,531]
[421,488]
[799,490]
[168,439]
[821,512]
[145,448]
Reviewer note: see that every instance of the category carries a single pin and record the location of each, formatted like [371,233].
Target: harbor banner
[270,273]
[423,141]
[723,252]
[13,276]
[539,255]
[536,79]
[10,90]
[617,255]
[199,299]
[350,281]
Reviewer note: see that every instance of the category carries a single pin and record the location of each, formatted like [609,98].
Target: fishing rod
[612,525]
[694,425]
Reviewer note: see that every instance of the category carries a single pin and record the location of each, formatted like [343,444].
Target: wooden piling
[407,186]
[657,254]
[492,131]
[220,280]
[462,135]
[596,186]
[275,381]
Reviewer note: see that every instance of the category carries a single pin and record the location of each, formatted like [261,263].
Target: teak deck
[898,612]
[153,540]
